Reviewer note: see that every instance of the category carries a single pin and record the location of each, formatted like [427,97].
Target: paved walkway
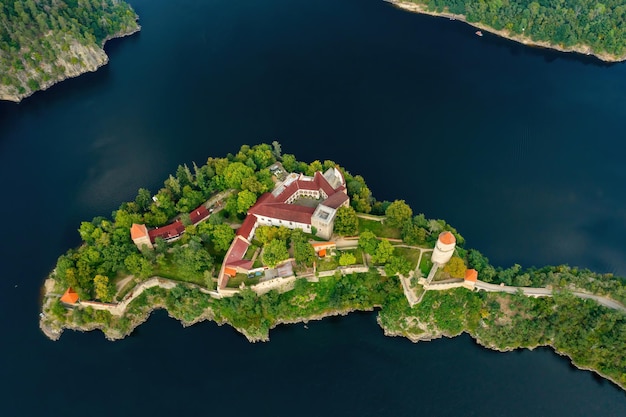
[371,217]
[546,292]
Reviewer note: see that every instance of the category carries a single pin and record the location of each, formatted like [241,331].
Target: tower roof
[471,275]
[138,231]
[70,296]
[447,238]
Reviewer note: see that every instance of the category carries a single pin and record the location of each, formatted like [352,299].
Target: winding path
[546,292]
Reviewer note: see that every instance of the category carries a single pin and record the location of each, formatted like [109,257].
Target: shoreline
[100,55]
[579,49]
[112,334]
[439,335]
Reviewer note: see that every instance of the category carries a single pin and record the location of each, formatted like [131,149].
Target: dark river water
[519,148]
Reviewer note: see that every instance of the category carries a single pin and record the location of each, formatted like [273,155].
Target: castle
[309,203]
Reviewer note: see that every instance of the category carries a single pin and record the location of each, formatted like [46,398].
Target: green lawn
[250,252]
[412,255]
[327,264]
[235,281]
[426,263]
[173,272]
[379,228]
[358,254]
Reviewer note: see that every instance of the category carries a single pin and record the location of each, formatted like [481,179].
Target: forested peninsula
[43,42]
[237,240]
[582,26]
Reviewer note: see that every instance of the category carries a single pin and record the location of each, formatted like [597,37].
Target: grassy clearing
[426,263]
[327,264]
[175,273]
[380,229]
[250,252]
[357,252]
[236,281]
[412,255]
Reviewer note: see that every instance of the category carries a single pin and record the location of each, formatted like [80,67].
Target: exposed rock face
[75,61]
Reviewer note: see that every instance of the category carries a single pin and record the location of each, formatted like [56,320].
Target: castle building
[471,276]
[444,248]
[281,207]
[298,202]
[139,235]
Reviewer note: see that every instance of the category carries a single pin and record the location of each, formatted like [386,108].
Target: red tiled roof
[471,275]
[237,250]
[323,184]
[242,263]
[198,214]
[447,238]
[230,271]
[138,231]
[170,231]
[285,212]
[247,226]
[224,281]
[70,296]
[335,200]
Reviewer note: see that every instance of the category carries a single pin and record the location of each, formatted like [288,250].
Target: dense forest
[599,25]
[40,39]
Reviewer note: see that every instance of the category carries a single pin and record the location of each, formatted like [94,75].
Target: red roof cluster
[276,207]
[170,231]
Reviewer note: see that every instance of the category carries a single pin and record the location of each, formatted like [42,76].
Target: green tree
[143,199]
[368,242]
[303,251]
[346,222]
[235,173]
[397,265]
[290,163]
[222,236]
[384,251]
[276,149]
[245,200]
[138,265]
[275,252]
[347,258]
[104,289]
[455,267]
[398,213]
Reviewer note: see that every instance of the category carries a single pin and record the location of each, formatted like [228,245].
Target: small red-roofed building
[199,214]
[471,276]
[140,236]
[323,248]
[70,296]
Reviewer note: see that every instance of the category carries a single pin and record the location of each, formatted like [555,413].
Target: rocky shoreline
[53,331]
[580,49]
[438,335]
[92,58]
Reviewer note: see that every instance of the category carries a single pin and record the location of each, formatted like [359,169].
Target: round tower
[444,248]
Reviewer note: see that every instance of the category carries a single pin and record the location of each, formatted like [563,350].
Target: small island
[581,26]
[257,239]
[44,42]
